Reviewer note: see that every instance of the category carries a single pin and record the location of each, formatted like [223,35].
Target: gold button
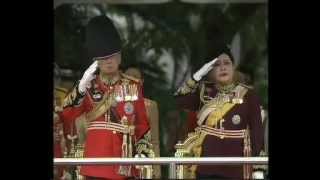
[114,132]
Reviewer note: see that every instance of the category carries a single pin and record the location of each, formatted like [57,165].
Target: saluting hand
[204,70]
[87,77]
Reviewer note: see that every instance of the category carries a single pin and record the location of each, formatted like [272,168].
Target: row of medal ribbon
[126,92]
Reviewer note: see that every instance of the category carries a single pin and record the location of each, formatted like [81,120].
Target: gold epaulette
[60,89]
[246,86]
[59,95]
[189,86]
[72,98]
[125,76]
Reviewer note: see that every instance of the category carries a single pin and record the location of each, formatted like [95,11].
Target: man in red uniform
[112,102]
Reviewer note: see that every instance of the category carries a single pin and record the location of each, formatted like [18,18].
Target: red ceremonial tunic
[101,142]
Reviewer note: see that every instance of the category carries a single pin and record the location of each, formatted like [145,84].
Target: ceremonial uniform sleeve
[187,96]
[74,105]
[255,124]
[142,123]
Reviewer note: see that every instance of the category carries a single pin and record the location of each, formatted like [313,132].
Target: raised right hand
[204,70]
[87,77]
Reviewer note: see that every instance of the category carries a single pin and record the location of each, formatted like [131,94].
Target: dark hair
[226,50]
[218,51]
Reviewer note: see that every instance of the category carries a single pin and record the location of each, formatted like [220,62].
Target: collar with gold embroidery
[226,89]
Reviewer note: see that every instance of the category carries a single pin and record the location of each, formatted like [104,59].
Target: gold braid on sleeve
[74,98]
[144,148]
[187,87]
[144,145]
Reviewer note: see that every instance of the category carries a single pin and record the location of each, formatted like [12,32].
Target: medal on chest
[126,92]
[128,108]
[96,94]
[236,119]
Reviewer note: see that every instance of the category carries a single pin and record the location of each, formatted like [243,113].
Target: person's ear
[119,60]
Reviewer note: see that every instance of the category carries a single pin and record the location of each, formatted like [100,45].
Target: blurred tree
[68,36]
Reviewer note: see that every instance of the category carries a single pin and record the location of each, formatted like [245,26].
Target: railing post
[180,172]
[172,170]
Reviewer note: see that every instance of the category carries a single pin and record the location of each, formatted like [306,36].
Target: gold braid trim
[100,108]
[187,87]
[74,98]
[216,113]
[144,145]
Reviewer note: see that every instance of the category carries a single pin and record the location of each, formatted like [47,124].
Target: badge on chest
[236,119]
[96,94]
[128,108]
